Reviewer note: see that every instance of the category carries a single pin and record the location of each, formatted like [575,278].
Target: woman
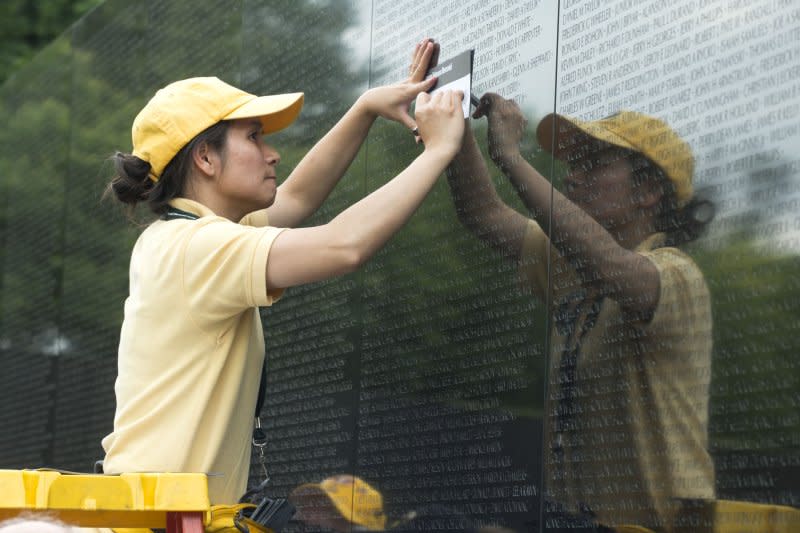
[630,344]
[191,348]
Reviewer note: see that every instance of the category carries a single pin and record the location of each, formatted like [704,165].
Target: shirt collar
[656,240]
[190,206]
[256,218]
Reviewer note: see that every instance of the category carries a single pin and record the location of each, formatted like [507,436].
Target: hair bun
[132,182]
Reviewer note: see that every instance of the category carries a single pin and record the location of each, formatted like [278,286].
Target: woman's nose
[271,155]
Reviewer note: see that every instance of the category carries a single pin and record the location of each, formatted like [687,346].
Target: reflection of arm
[478,206]
[305,255]
[622,274]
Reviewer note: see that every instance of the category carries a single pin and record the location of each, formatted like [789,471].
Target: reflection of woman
[631,336]
[341,503]
[345,503]
[191,346]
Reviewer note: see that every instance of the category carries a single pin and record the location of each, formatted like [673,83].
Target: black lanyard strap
[569,316]
[173,213]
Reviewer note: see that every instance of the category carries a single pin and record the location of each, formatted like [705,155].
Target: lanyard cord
[567,320]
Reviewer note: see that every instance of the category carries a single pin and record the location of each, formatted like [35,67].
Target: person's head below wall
[346,503]
[24,524]
[661,163]
[180,118]
[342,503]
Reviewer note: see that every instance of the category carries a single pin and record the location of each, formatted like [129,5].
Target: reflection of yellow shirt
[191,349]
[637,432]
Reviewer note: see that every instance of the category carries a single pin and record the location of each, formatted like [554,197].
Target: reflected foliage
[26,26]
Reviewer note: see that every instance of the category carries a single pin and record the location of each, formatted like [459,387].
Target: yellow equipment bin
[175,502]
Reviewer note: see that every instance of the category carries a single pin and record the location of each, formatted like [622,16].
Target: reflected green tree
[27,26]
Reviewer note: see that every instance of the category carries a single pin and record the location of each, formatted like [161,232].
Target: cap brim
[307,489]
[312,494]
[315,507]
[561,136]
[275,111]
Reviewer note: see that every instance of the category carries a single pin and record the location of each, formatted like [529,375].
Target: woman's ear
[203,159]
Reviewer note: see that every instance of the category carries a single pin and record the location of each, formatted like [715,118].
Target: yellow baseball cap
[650,136]
[353,498]
[183,109]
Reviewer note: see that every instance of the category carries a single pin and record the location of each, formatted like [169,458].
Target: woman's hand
[441,121]
[506,126]
[424,58]
[393,101]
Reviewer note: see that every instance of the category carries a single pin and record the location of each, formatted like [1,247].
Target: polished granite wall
[430,373]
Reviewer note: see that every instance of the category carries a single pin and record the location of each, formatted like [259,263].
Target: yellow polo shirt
[192,348]
[636,437]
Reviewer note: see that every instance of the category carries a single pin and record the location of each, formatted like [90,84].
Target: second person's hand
[506,127]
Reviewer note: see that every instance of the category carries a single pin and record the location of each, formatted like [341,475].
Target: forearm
[478,206]
[590,248]
[470,182]
[306,255]
[320,170]
[369,223]
[535,191]
[574,233]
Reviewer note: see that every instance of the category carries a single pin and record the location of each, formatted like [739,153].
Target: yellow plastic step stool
[175,502]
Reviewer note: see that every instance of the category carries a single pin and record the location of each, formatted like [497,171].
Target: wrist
[363,106]
[506,160]
[441,152]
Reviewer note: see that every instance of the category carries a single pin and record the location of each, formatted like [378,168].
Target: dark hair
[680,224]
[132,185]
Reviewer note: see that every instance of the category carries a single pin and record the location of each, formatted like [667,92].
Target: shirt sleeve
[682,316]
[256,219]
[224,268]
[260,219]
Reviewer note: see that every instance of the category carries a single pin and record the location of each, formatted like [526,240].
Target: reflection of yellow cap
[647,135]
[181,110]
[353,498]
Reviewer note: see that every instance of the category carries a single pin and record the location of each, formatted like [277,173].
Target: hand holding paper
[456,75]
[506,127]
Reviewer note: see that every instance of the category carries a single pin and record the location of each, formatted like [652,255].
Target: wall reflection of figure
[631,322]
[346,503]
[340,503]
